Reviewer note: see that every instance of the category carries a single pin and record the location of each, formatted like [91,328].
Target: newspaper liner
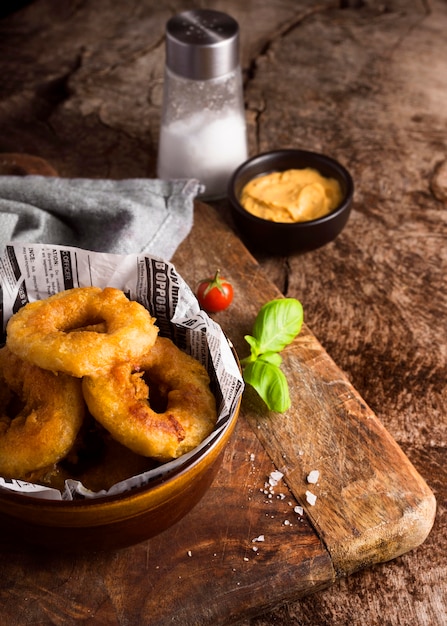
[30,272]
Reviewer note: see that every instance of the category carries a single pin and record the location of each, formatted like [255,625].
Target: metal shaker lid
[202,44]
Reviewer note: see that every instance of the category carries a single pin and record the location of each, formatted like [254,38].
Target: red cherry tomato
[214,294]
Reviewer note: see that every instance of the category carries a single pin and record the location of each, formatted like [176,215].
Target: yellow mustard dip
[296,195]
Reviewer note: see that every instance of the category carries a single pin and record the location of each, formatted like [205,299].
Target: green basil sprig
[276,326]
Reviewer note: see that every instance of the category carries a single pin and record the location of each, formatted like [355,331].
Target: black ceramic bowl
[287,238]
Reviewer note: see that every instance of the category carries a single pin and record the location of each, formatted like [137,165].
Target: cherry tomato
[214,294]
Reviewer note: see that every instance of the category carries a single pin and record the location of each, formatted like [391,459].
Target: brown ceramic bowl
[117,521]
[278,238]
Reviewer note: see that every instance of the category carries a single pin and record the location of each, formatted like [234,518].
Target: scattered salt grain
[260,538]
[311,497]
[299,510]
[313,477]
[275,477]
[189,553]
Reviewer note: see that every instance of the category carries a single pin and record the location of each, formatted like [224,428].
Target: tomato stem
[215,282]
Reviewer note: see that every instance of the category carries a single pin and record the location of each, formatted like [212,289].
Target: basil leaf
[254,345]
[277,324]
[271,357]
[270,384]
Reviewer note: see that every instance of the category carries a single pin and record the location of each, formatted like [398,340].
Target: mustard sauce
[296,195]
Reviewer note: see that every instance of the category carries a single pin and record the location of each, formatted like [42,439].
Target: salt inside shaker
[203,131]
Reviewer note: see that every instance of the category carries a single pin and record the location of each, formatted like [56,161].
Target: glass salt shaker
[203,131]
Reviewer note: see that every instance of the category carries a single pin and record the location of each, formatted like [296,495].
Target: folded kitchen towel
[116,216]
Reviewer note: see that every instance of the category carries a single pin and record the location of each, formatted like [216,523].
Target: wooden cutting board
[372,504]
[254,540]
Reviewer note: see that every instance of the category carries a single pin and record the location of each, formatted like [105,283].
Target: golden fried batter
[161,407]
[65,332]
[40,416]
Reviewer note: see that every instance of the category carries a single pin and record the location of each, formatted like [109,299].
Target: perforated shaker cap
[202,44]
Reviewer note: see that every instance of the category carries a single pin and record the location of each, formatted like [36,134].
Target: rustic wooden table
[81,86]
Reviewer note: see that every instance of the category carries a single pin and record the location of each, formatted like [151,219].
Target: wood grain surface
[365,82]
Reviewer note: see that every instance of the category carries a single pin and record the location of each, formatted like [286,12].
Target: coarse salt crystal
[299,510]
[260,538]
[275,477]
[313,476]
[311,497]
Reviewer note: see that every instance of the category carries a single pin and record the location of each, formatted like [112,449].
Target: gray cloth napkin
[121,217]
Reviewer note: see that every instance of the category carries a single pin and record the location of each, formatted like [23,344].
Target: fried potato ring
[64,333]
[40,416]
[160,408]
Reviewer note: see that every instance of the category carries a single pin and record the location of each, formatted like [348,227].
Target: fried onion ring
[40,416]
[160,408]
[64,333]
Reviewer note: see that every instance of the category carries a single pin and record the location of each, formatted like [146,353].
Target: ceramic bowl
[278,238]
[117,521]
